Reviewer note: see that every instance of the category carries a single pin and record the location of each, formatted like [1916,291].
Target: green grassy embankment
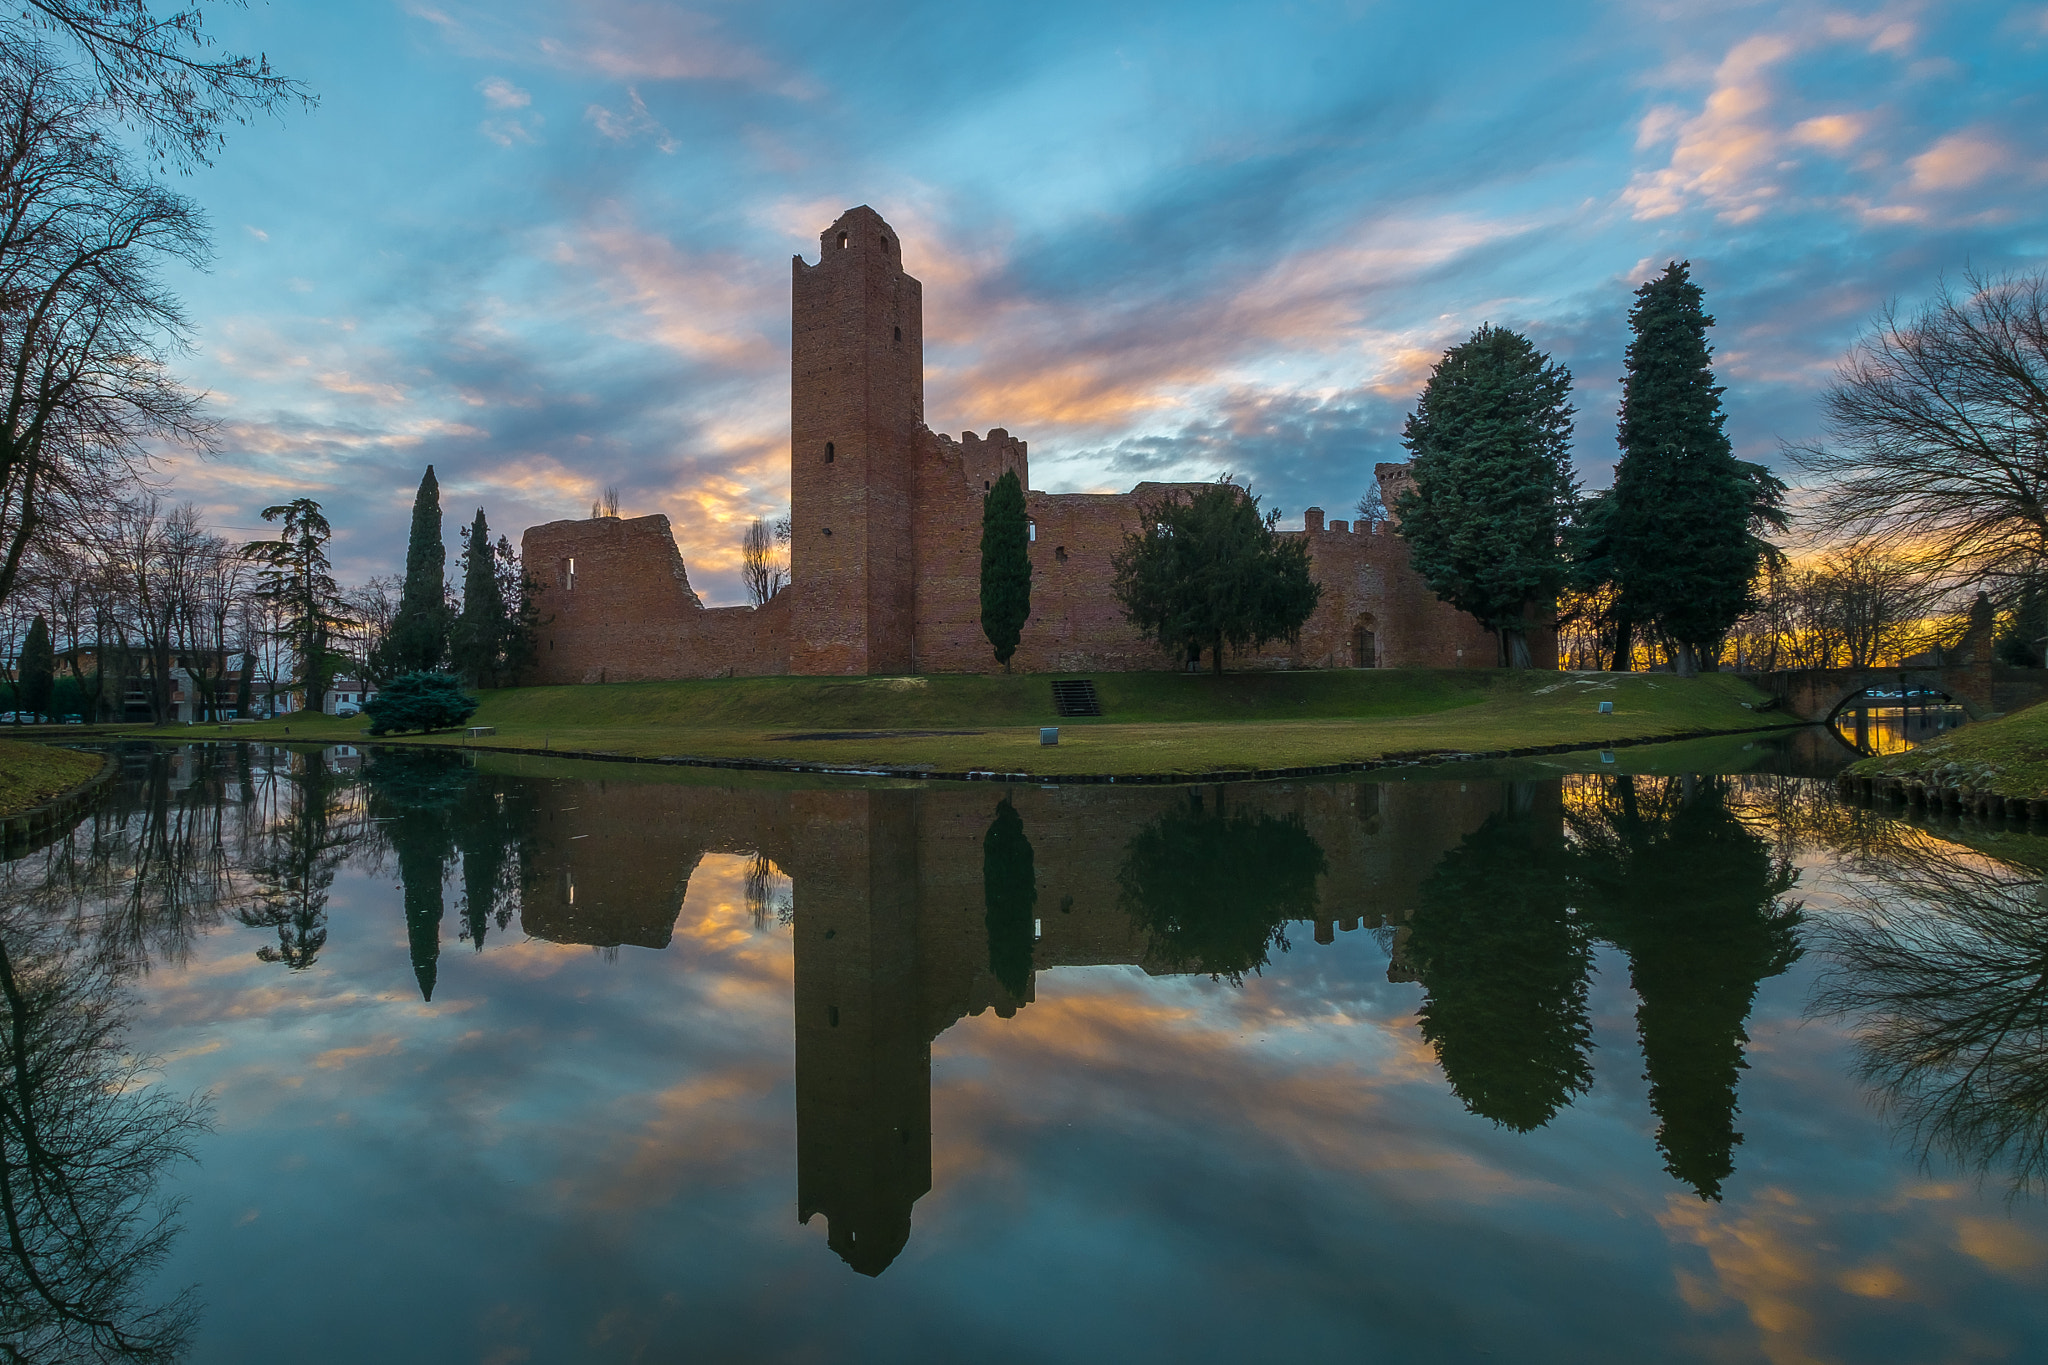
[1154,723]
[31,774]
[2006,757]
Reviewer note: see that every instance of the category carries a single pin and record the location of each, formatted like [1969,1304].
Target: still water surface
[1671,1057]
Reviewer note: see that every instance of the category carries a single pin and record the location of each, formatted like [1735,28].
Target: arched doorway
[1365,646]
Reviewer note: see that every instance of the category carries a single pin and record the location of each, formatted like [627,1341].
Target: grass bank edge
[2007,757]
[1157,724]
[31,774]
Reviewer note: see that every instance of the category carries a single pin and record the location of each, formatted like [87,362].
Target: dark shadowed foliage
[418,641]
[1009,890]
[416,794]
[420,701]
[1494,943]
[1214,891]
[1682,528]
[1005,566]
[1207,571]
[1491,441]
[1669,874]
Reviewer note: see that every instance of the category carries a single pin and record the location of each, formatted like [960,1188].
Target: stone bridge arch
[1820,694]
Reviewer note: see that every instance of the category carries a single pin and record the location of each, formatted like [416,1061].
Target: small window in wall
[899,334]
[828,530]
[843,242]
[885,244]
[1059,552]
[568,574]
[828,452]
[1031,530]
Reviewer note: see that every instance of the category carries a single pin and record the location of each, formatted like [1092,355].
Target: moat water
[1662,1054]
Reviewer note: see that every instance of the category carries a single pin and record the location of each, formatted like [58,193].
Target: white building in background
[355,692]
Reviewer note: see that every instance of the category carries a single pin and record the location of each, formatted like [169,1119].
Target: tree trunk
[1685,661]
[1624,643]
[1517,644]
[1219,654]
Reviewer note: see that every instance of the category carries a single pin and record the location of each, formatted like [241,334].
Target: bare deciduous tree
[159,75]
[1939,424]
[764,563]
[85,324]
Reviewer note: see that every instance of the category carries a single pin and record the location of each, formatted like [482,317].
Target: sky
[543,244]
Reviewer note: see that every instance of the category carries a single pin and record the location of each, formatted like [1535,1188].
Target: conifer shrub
[420,701]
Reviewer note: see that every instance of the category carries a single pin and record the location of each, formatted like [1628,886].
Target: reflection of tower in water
[863,1063]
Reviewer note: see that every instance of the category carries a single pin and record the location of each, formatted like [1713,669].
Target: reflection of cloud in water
[580,1150]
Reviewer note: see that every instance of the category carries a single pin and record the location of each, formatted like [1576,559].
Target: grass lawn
[1153,723]
[31,774]
[2008,756]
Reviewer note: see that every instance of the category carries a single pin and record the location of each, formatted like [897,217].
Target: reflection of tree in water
[414,794]
[1495,946]
[1943,959]
[1669,875]
[1216,890]
[83,1142]
[768,893]
[1009,889]
[307,839]
[494,821]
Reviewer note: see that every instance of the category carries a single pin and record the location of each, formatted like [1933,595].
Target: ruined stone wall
[885,538]
[616,606]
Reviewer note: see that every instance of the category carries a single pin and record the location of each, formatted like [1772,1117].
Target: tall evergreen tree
[298,579]
[476,643]
[1491,440]
[1685,518]
[38,669]
[519,591]
[419,632]
[1005,566]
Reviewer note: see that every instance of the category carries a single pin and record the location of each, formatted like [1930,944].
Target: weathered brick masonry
[885,537]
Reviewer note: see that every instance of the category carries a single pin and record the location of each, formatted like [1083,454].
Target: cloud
[629,40]
[512,132]
[1720,154]
[1957,162]
[500,93]
[635,122]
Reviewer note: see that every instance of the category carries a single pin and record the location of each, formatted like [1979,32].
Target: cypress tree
[1005,567]
[1009,893]
[1491,440]
[1684,515]
[419,632]
[476,642]
[38,671]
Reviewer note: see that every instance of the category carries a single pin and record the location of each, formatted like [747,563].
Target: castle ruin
[885,538]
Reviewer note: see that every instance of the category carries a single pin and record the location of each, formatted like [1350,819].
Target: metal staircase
[1076,697]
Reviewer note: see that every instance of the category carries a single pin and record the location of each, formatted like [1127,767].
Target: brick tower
[856,406]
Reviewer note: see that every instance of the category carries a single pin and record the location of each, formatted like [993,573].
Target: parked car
[74,720]
[347,708]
